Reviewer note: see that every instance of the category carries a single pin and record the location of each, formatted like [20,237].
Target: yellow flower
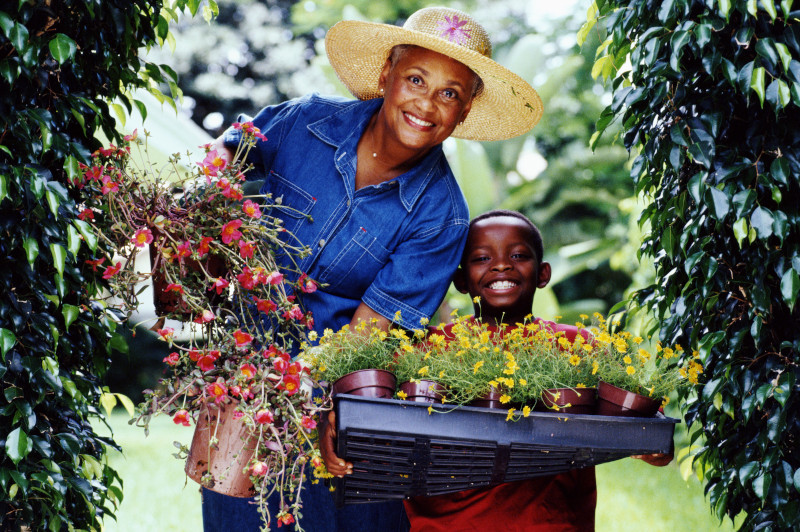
[510,414]
[430,410]
[505,398]
[580,385]
[526,411]
[423,370]
[574,360]
[312,336]
[587,347]
[441,374]
[523,382]
[476,299]
[595,366]
[424,321]
[406,347]
[630,370]
[637,340]
[626,359]
[477,366]
[397,316]
[401,394]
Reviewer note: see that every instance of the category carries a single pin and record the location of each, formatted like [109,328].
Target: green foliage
[60,63]
[708,94]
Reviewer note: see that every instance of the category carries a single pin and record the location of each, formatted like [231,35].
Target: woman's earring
[381,90]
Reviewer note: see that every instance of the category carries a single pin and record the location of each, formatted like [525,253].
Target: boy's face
[501,267]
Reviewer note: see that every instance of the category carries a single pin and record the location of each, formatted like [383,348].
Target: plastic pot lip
[570,395]
[364,378]
[626,399]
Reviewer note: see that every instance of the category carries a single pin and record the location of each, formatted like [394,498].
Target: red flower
[181,418]
[264,305]
[248,127]
[259,469]
[86,214]
[248,370]
[247,278]
[285,519]
[219,284]
[308,423]
[205,317]
[264,416]
[172,359]
[251,209]
[194,355]
[95,173]
[109,185]
[111,271]
[203,247]
[307,285]
[280,365]
[142,237]
[242,338]
[233,192]
[291,383]
[217,390]
[275,278]
[212,164]
[246,249]
[206,363]
[184,250]
[230,231]
[95,263]
[293,313]
[173,287]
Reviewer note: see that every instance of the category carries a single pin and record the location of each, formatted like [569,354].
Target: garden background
[61,356]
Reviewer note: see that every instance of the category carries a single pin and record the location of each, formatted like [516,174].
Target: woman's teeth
[502,285]
[419,122]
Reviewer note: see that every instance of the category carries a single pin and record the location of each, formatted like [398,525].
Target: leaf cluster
[708,95]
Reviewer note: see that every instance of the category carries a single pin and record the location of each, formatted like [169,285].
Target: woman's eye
[450,94]
[480,259]
[416,80]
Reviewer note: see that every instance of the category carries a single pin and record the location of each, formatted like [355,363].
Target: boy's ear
[460,280]
[544,274]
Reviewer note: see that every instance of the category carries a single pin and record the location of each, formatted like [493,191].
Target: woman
[374,196]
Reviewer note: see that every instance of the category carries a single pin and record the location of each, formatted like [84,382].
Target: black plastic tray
[399,450]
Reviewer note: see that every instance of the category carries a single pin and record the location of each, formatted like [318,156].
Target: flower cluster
[213,250]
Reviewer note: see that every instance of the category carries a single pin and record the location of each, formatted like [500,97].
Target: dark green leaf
[761,220]
[18,35]
[779,170]
[7,341]
[790,286]
[747,471]
[721,203]
[757,83]
[62,47]
[18,445]
[761,485]
[766,49]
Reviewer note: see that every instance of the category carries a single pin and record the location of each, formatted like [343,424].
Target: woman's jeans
[222,513]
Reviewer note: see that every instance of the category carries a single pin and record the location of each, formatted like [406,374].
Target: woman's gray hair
[399,50]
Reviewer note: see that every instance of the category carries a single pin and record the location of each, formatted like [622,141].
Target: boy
[502,266]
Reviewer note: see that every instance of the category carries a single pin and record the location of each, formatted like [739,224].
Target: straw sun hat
[508,106]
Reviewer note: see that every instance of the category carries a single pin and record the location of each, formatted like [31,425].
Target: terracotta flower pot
[377,383]
[568,401]
[228,461]
[423,391]
[614,401]
[490,399]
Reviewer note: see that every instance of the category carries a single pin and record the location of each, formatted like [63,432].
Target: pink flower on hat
[452,29]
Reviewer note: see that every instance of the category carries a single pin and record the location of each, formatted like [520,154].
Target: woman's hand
[222,150]
[327,443]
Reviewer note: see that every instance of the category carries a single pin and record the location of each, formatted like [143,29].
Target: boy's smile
[501,267]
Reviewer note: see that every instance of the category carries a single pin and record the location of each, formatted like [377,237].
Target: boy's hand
[327,443]
[656,459]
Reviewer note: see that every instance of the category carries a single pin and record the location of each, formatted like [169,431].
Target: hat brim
[507,107]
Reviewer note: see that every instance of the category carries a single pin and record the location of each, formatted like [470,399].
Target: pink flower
[308,423]
[212,164]
[259,469]
[230,231]
[248,127]
[142,237]
[264,417]
[132,136]
[246,249]
[86,214]
[291,383]
[166,333]
[233,192]
[264,305]
[280,365]
[452,29]
[184,250]
[111,271]
[95,173]
[307,285]
[217,390]
[248,370]
[251,209]
[275,278]
[219,284]
[203,247]
[206,316]
[181,418]
[172,359]
[109,185]
[223,183]
[293,313]
[242,338]
[246,278]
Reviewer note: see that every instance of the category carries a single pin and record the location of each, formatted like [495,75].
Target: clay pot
[377,383]
[568,401]
[423,391]
[491,399]
[614,401]
[228,461]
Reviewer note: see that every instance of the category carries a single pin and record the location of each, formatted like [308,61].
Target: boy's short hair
[536,239]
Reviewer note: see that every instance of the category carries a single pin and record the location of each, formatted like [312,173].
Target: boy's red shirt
[552,503]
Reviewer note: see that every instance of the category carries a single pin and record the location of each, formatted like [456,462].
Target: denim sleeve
[418,273]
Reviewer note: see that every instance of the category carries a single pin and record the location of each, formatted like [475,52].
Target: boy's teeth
[418,121]
[502,285]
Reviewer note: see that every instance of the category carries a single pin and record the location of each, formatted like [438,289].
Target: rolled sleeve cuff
[388,306]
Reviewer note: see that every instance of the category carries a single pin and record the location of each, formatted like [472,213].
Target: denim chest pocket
[355,266]
[297,201]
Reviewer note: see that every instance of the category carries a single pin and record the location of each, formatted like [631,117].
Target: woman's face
[426,95]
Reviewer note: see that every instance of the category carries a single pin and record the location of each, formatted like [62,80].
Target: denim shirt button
[322,242]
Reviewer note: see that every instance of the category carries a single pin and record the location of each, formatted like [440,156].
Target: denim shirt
[394,245]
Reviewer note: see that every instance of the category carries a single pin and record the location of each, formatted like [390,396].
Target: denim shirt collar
[344,128]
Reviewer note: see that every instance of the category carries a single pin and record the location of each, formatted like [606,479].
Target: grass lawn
[632,496]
